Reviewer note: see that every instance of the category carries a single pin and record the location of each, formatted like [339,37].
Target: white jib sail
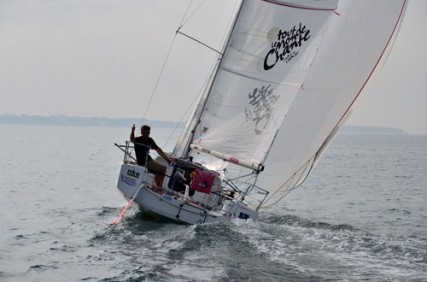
[358,40]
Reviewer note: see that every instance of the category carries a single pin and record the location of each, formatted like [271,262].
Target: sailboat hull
[135,183]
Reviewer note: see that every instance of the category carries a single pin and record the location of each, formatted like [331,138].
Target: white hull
[134,179]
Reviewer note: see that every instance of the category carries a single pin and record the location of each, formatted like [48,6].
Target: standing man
[143,144]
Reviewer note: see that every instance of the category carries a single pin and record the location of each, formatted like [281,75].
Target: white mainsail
[288,77]
[267,57]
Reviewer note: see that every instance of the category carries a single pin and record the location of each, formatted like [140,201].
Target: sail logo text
[284,48]
[261,101]
[133,173]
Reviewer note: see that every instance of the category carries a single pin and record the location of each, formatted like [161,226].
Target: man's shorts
[155,167]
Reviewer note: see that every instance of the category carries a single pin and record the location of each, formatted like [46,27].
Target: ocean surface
[361,216]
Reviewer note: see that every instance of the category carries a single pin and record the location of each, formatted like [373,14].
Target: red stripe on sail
[377,63]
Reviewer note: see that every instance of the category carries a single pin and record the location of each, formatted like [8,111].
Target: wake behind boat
[283,85]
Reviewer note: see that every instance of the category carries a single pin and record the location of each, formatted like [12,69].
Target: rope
[185,20]
[180,120]
[164,64]
[158,80]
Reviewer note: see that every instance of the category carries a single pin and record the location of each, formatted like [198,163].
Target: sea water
[361,215]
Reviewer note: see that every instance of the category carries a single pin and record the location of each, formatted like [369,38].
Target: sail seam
[258,79]
[300,6]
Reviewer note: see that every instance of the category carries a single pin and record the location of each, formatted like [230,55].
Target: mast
[202,103]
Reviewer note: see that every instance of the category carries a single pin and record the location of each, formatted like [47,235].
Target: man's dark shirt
[141,151]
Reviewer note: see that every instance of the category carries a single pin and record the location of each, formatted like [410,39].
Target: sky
[102,58]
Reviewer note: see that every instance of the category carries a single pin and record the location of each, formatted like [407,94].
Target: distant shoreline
[357,129]
[61,120]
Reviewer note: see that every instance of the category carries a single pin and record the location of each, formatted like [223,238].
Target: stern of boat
[131,177]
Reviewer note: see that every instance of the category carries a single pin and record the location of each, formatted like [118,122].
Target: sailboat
[285,83]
